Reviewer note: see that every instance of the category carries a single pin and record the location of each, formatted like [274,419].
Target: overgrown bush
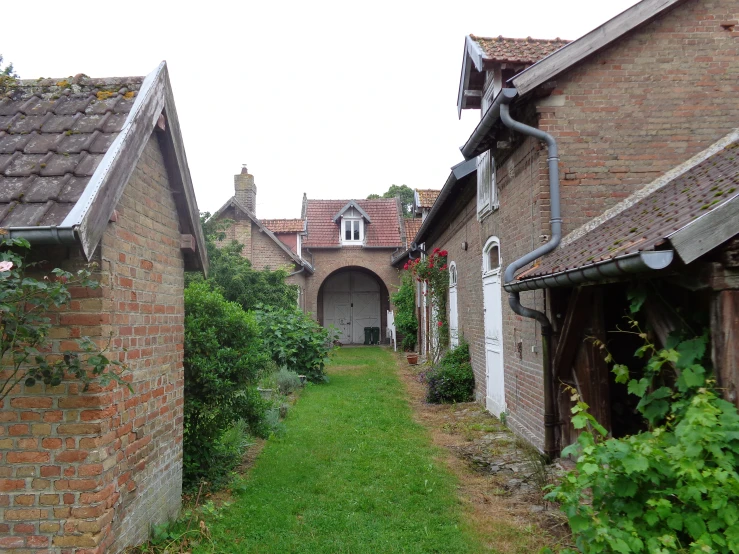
[287,381]
[672,488]
[452,379]
[25,303]
[406,323]
[294,339]
[223,357]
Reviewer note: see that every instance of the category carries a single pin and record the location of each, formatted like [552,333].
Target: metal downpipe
[514,299]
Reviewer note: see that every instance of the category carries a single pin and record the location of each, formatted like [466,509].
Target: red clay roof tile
[284,225]
[518,50]
[323,232]
[427,197]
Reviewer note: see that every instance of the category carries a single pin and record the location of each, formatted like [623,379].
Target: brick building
[626,105]
[339,252]
[270,244]
[95,170]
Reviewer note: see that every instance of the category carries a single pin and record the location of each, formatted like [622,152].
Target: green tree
[235,278]
[8,70]
[405,193]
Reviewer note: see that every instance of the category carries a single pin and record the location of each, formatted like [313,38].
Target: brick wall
[633,111]
[91,472]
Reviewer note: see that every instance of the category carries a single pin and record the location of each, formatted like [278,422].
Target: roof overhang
[705,233]
[470,89]
[616,268]
[87,221]
[457,178]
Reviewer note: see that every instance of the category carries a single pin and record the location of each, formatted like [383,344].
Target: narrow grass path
[352,474]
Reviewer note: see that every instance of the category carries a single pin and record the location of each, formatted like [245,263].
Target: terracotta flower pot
[412,358]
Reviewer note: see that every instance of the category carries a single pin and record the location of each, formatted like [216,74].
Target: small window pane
[493,258]
[347,230]
[356,230]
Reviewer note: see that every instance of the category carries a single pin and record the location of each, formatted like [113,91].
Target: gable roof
[425,198]
[68,148]
[352,205]
[383,231]
[481,52]
[600,37]
[233,203]
[284,225]
[690,210]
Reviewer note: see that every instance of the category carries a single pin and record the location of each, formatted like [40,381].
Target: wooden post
[725,342]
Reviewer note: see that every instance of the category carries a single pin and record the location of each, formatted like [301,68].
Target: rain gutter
[46,235]
[637,262]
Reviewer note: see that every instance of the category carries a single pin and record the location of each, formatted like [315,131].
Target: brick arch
[384,294]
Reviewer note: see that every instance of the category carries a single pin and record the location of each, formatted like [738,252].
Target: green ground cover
[353,473]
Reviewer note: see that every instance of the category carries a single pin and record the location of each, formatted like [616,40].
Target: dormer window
[353,230]
[352,220]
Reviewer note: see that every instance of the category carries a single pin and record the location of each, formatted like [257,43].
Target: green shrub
[223,356]
[294,339]
[673,488]
[287,381]
[452,379]
[404,300]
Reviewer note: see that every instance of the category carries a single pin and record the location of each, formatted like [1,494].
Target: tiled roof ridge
[651,187]
[501,38]
[346,200]
[77,84]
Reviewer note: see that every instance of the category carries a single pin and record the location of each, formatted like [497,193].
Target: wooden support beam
[570,337]
[725,342]
[187,242]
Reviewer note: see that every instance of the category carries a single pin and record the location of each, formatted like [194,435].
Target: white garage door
[351,302]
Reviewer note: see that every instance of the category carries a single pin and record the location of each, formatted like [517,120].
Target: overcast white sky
[335,99]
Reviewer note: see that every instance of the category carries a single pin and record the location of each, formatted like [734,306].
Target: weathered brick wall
[91,472]
[265,254]
[646,104]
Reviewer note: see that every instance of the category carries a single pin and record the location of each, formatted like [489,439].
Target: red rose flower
[444,253]
[440,324]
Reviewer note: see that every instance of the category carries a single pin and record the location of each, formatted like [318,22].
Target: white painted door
[343,322]
[366,313]
[491,293]
[453,318]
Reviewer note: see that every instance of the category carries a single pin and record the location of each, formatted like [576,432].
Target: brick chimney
[245,190]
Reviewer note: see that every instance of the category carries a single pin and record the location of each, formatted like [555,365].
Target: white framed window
[452,274]
[352,231]
[487,198]
[491,256]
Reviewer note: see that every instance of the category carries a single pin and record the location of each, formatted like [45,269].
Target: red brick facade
[624,116]
[91,472]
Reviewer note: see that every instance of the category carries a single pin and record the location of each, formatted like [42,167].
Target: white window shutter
[483,183]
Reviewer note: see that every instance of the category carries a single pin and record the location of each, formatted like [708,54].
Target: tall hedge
[223,357]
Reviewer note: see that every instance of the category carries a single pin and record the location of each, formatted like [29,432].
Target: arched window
[491,256]
[452,274]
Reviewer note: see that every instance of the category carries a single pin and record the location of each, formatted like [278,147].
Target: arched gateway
[352,299]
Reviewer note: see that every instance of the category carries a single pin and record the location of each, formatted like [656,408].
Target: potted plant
[412,358]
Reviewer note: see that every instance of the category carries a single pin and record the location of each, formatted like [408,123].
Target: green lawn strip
[353,473]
